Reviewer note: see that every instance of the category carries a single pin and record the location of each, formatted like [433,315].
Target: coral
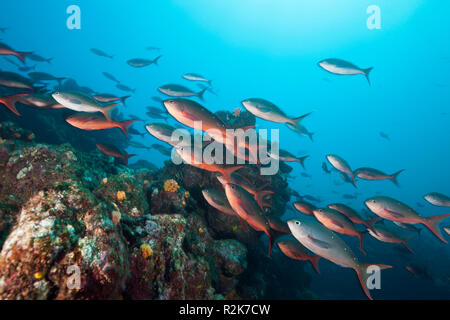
[171,185]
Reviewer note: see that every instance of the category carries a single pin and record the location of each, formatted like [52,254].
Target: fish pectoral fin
[393,213]
[337,223]
[319,243]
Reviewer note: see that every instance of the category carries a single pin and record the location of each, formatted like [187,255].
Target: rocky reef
[75,225]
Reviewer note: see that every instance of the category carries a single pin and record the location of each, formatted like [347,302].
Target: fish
[156,115]
[305,207]
[352,214]
[218,200]
[246,207]
[349,196]
[26,69]
[92,122]
[7,50]
[112,151]
[195,77]
[12,62]
[187,154]
[81,102]
[341,165]
[419,271]
[43,101]
[311,198]
[325,243]
[305,175]
[125,88]
[374,174]
[15,80]
[243,182]
[266,110]
[278,225]
[189,112]
[140,63]
[342,67]
[106,98]
[134,131]
[156,110]
[38,58]
[296,251]
[301,130]
[176,90]
[385,234]
[385,136]
[43,76]
[337,222]
[408,227]
[162,131]
[110,77]
[100,53]
[153,48]
[394,210]
[437,199]
[162,149]
[138,145]
[10,102]
[325,168]
[286,156]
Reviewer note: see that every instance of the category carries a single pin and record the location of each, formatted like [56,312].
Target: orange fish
[295,250]
[6,50]
[10,101]
[112,151]
[246,207]
[93,122]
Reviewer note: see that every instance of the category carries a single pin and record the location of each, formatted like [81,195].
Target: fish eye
[297,223]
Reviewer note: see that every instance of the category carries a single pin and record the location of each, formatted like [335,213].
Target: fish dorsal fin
[319,243]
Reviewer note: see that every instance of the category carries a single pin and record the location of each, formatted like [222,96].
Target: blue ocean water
[270,49]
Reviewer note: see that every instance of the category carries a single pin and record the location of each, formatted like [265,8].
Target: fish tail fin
[363,275]
[226,172]
[295,121]
[122,99]
[310,135]
[361,237]
[406,244]
[394,176]
[49,60]
[22,55]
[10,102]
[201,92]
[302,160]
[260,197]
[126,157]
[366,74]
[155,61]
[314,259]
[432,223]
[124,125]
[107,110]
